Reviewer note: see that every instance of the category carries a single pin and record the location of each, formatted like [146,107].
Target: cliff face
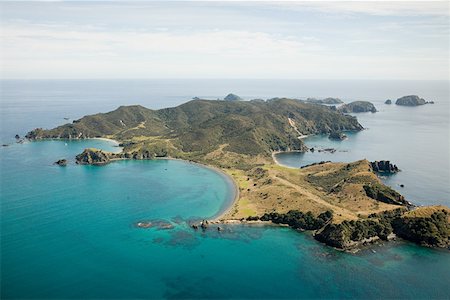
[384,166]
[200,126]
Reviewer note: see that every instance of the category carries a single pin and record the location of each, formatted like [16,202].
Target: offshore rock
[61,162]
[358,107]
[384,166]
[93,157]
[411,100]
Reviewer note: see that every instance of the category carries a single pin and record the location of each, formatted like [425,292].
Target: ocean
[70,232]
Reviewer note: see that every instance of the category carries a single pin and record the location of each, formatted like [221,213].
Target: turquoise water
[70,232]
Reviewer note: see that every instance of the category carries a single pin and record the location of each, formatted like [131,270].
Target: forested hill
[247,127]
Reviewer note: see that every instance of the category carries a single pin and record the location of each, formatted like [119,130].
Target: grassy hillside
[335,187]
[201,126]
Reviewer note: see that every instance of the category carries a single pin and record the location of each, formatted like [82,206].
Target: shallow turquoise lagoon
[69,233]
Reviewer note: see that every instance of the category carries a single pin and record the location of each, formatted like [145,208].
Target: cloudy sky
[318,40]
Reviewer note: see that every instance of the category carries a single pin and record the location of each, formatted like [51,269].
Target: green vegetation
[298,220]
[427,231]
[201,126]
[352,233]
[431,231]
[384,194]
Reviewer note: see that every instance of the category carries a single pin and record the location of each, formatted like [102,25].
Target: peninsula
[345,204]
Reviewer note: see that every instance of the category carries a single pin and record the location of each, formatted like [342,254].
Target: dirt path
[336,209]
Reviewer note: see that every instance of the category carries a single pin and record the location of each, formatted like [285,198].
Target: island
[232,97]
[344,205]
[358,107]
[327,101]
[388,101]
[412,100]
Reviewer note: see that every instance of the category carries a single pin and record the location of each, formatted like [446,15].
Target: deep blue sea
[70,232]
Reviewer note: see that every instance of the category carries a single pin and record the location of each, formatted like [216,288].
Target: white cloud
[220,43]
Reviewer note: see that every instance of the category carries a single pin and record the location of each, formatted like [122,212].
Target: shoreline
[228,178]
[274,158]
[226,207]
[104,139]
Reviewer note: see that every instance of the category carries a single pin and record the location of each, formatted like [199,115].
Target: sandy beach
[274,157]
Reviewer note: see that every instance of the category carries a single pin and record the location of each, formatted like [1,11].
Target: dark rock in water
[204,224]
[5,145]
[330,150]
[384,166]
[219,228]
[17,136]
[337,135]
[357,107]
[144,224]
[61,162]
[388,101]
[163,226]
[312,150]
[411,100]
[402,185]
[194,226]
[92,157]
[430,102]
[232,97]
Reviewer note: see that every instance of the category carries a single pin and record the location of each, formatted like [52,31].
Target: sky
[186,39]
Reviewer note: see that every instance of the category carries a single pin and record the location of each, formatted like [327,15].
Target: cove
[69,233]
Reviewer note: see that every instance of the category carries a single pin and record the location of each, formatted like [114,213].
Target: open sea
[70,232]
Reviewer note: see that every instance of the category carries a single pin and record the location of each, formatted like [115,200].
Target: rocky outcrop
[61,162]
[99,157]
[411,100]
[232,97]
[337,135]
[93,157]
[384,166]
[358,107]
[388,101]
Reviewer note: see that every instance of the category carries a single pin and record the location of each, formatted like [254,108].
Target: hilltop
[202,126]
